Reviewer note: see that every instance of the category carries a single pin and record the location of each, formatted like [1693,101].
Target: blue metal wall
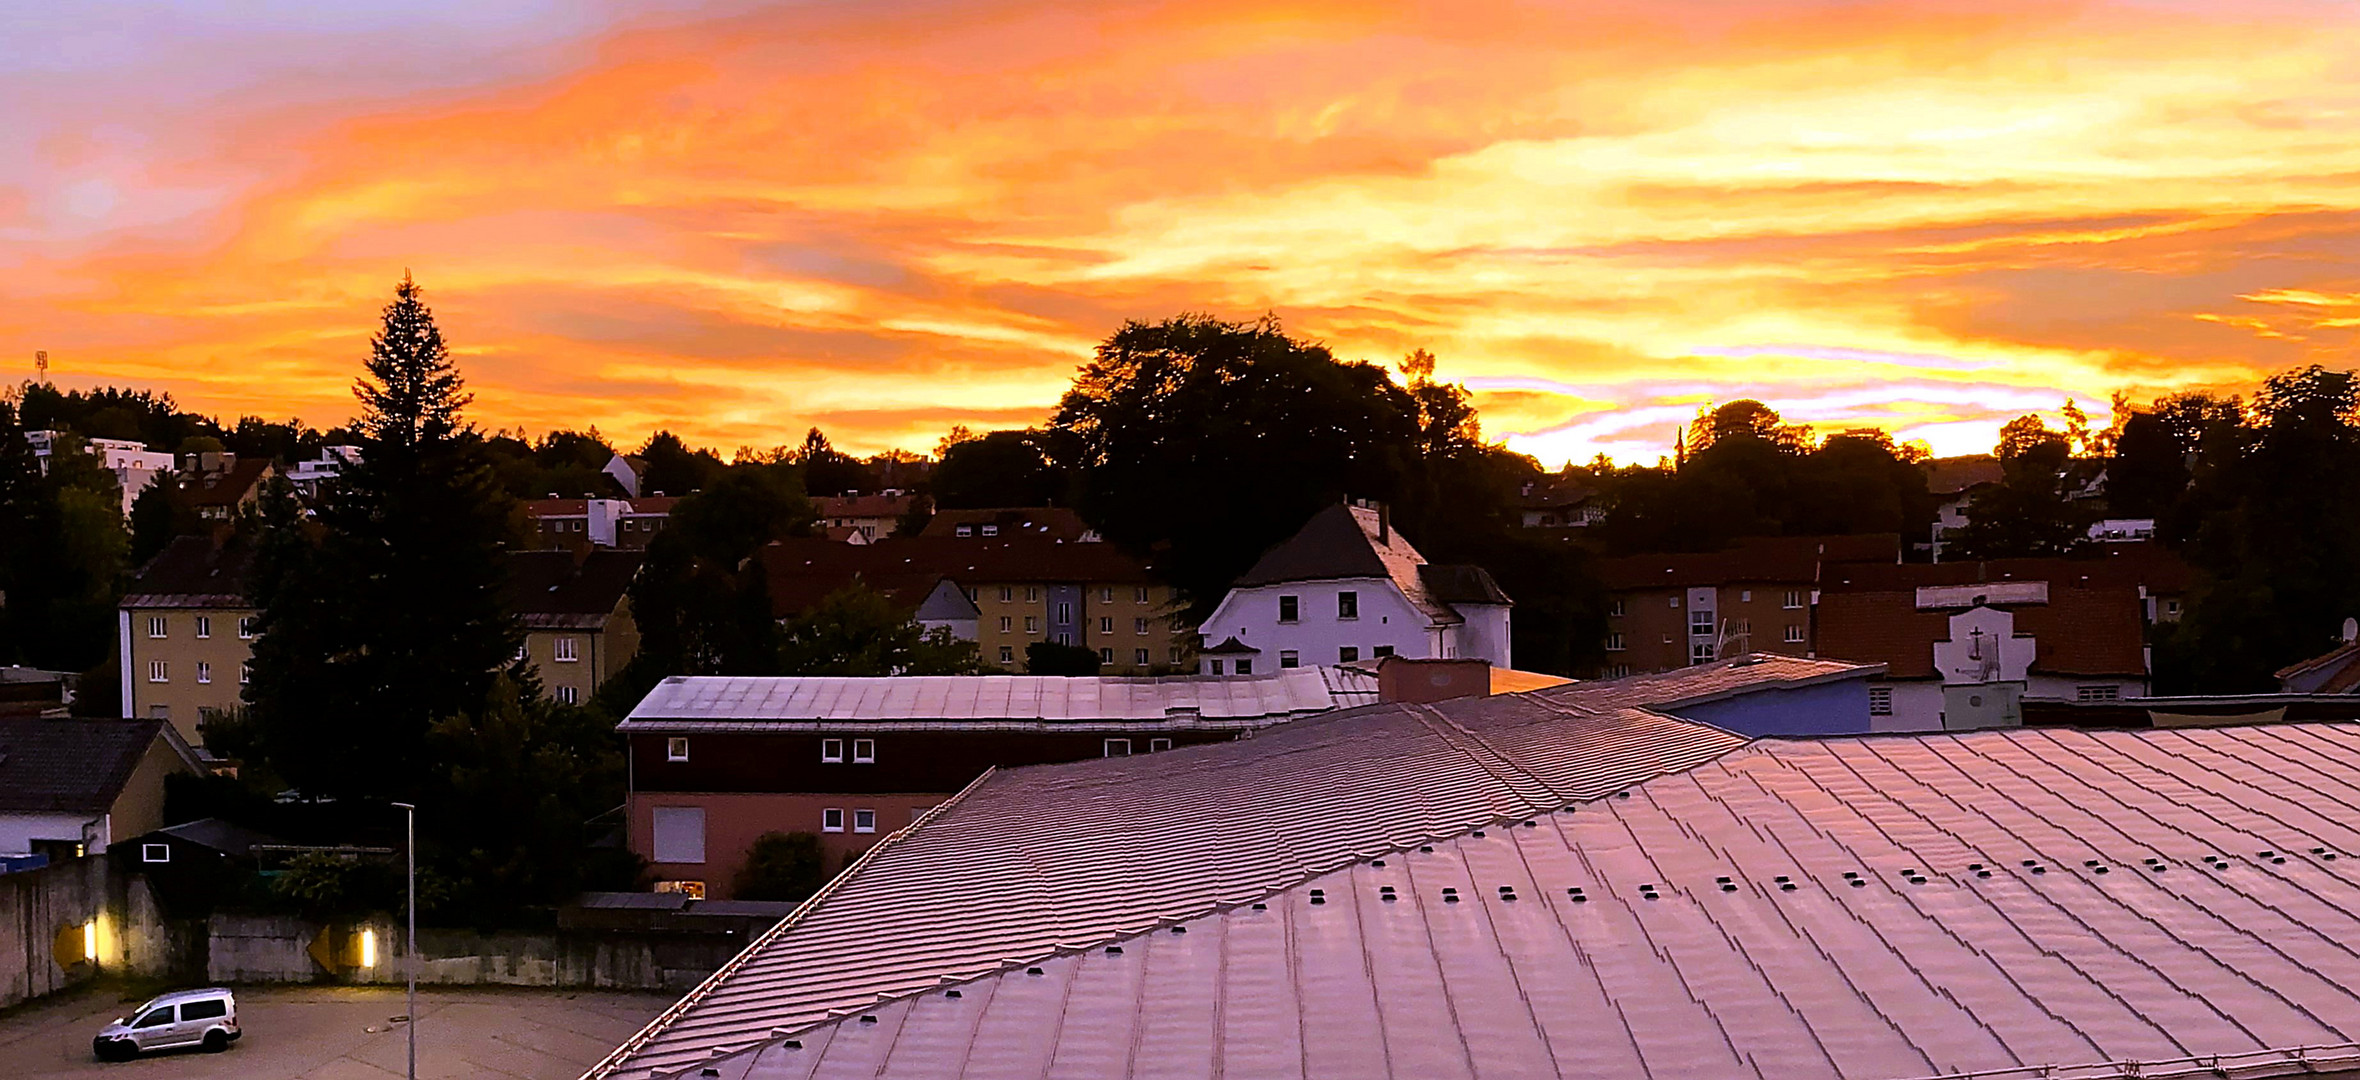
[1835,708]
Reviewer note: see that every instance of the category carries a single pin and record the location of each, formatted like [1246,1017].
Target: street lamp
[410,947]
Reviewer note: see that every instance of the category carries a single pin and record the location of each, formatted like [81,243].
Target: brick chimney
[1416,682]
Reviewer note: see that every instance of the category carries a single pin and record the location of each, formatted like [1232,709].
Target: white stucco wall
[1386,618]
[1917,706]
[18,831]
[1485,634]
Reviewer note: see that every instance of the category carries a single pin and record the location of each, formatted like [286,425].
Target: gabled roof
[692,703]
[1461,584]
[863,506]
[1029,863]
[551,590]
[73,766]
[226,837]
[1056,522]
[2007,904]
[2334,672]
[1343,542]
[230,486]
[194,572]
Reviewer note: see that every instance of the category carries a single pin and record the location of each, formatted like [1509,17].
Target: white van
[206,1018]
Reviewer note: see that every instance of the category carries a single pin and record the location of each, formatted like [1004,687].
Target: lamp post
[410,947]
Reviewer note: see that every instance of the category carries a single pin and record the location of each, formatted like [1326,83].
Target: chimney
[1384,524]
[1401,679]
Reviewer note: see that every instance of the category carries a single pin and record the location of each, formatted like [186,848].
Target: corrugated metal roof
[1029,862]
[2007,903]
[748,703]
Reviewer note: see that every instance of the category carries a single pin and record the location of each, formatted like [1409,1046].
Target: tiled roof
[804,702]
[229,486]
[970,562]
[1056,522]
[1781,559]
[863,506]
[193,571]
[2010,904]
[2135,564]
[2079,631]
[68,766]
[1031,862]
[549,589]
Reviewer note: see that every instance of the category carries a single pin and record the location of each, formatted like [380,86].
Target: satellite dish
[2351,630]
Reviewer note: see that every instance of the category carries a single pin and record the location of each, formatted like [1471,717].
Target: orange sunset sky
[884,218]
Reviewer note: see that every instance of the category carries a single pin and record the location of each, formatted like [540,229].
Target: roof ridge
[810,904]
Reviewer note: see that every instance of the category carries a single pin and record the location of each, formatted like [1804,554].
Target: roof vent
[868,1018]
[1032,971]
[1114,950]
[793,1044]
[1179,929]
[951,994]
[708,1072]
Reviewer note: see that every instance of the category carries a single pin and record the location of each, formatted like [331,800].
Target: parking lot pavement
[346,1033]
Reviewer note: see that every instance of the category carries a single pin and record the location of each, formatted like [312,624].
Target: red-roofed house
[874,517]
[1670,611]
[578,525]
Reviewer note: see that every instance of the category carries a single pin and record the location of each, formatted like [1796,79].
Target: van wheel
[216,1041]
[116,1050]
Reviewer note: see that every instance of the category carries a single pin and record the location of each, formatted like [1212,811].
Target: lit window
[1158,745]
[1139,657]
[567,695]
[1880,701]
[1289,609]
[1118,748]
[1347,605]
[1288,658]
[1245,665]
[204,671]
[864,751]
[155,853]
[565,650]
[864,821]
[1007,652]
[159,671]
[831,820]
[204,626]
[1615,643]
[1794,599]
[155,626]
[1347,654]
[246,627]
[676,748]
[1794,633]
[831,750]
[679,834]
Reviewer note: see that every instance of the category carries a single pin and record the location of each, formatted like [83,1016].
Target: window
[204,1010]
[1105,625]
[1745,596]
[1106,594]
[1216,666]
[154,1018]
[1118,748]
[155,853]
[864,821]
[159,671]
[864,751]
[831,820]
[1880,701]
[246,627]
[676,748]
[679,834]
[2097,693]
[1674,599]
[1007,593]
[245,671]
[565,650]
[1032,594]
[1063,637]
[1700,653]
[1700,622]
[567,695]
[1794,633]
[1347,605]
[1381,651]
[1174,652]
[1007,623]
[523,650]
[1619,671]
[1032,624]
[1064,612]
[1347,654]
[1106,656]
[1245,665]
[1289,608]
[831,750]
[1288,658]
[1158,745]
[1139,657]
[1794,599]
[991,530]
[204,671]
[1007,653]
[1614,608]
[1615,643]
[155,626]
[204,626]
[966,530]
[1139,594]
[1139,626]
[2171,607]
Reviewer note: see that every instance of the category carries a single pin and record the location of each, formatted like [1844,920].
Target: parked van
[206,1018]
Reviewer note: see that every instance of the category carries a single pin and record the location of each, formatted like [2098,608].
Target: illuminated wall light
[368,948]
[90,940]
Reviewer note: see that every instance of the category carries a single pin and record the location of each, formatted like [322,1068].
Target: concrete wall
[278,949]
[131,937]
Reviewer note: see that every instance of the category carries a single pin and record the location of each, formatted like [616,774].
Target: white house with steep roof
[1347,587]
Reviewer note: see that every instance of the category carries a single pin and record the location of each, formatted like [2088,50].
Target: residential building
[1023,588]
[1480,888]
[28,691]
[134,465]
[576,613]
[1965,644]
[311,478]
[1669,611]
[582,524]
[1348,587]
[1054,522]
[223,487]
[70,787]
[185,633]
[1559,502]
[716,762]
[1954,483]
[2122,530]
[874,517]
[628,474]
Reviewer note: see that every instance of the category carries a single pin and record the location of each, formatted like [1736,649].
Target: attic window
[676,748]
[155,853]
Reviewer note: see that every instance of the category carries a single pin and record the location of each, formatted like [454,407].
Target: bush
[1051,658]
[782,866]
[325,887]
